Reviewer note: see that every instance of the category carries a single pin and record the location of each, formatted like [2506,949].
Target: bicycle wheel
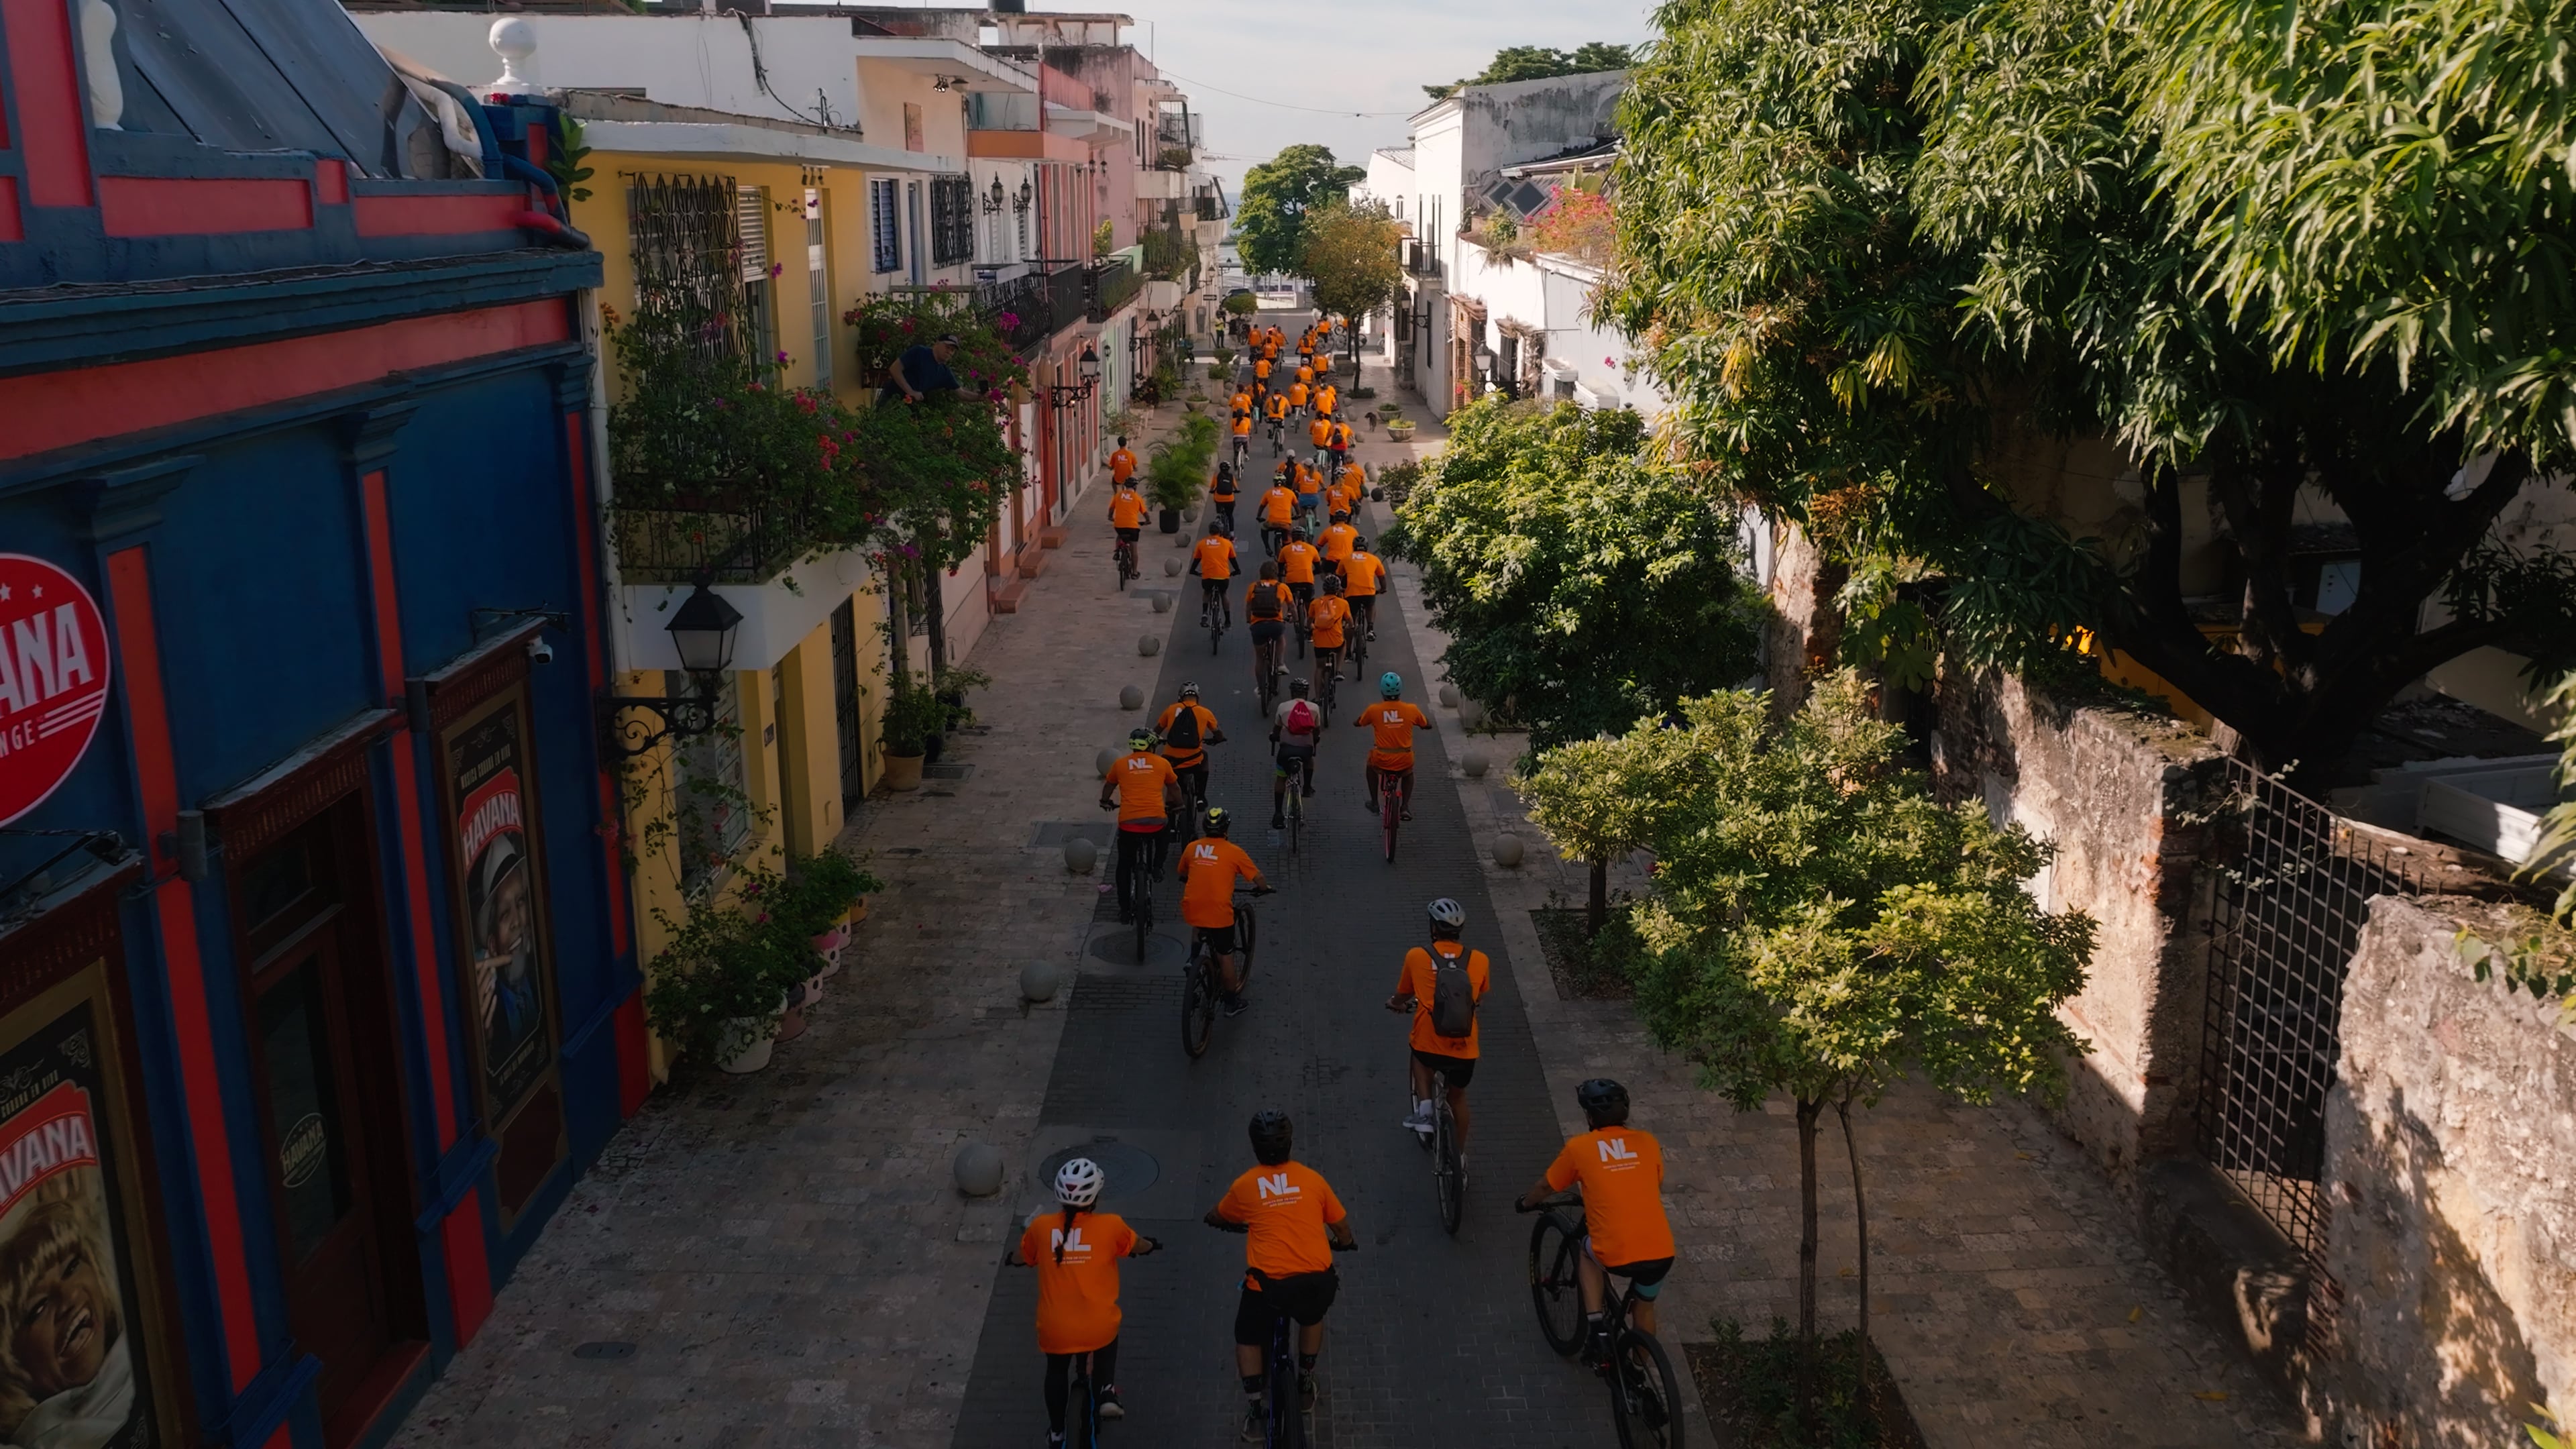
[1198,1004]
[1448,1174]
[1082,1410]
[1390,813]
[1555,1287]
[1246,925]
[1645,1397]
[1296,806]
[1281,1398]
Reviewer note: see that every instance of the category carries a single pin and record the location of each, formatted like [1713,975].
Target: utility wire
[1283,105]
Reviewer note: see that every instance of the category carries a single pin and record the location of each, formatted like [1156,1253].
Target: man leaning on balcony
[923,370]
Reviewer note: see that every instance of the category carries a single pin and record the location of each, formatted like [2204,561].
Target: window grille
[952,220]
[684,234]
[885,223]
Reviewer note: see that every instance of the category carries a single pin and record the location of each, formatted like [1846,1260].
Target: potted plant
[1399,428]
[814,903]
[720,986]
[912,716]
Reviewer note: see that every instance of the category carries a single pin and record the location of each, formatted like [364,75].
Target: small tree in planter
[913,715]
[720,984]
[1178,466]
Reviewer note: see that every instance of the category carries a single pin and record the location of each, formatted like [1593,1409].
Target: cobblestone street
[790,1263]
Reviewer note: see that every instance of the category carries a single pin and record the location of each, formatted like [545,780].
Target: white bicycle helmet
[1077,1183]
[1446,912]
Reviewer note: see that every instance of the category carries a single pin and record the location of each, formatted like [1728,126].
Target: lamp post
[702,632]
[1065,396]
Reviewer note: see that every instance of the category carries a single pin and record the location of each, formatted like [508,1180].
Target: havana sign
[53,679]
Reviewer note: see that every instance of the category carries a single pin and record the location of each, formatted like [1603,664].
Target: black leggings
[1059,1390]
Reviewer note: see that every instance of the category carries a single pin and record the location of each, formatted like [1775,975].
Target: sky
[1338,57]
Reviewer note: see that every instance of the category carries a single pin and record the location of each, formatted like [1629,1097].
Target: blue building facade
[317,989]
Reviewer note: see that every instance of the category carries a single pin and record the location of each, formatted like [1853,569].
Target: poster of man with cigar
[506,941]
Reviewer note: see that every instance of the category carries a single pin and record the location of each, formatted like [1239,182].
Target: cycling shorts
[1130,535]
[1646,1273]
[1269,631]
[1461,1070]
[1213,587]
[1220,939]
[1302,1297]
[1288,752]
[1305,592]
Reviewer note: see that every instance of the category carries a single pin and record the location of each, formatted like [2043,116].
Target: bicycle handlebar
[1552,1200]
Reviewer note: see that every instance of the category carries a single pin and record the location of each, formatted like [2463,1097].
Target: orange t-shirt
[1279,405]
[1243,424]
[1296,394]
[1306,374]
[1309,480]
[1077,1298]
[1325,618]
[1127,509]
[1242,399]
[1416,982]
[1186,759]
[1297,561]
[1394,720]
[1122,466]
[1286,1208]
[1261,369]
[1341,435]
[1279,506]
[1208,871]
[1319,431]
[1622,1172]
[1141,779]
[1337,542]
[1325,401]
[1216,557]
[1361,574]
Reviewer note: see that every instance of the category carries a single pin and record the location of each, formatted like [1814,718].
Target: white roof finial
[515,41]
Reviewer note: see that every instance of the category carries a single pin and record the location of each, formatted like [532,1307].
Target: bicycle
[1140,891]
[1645,1398]
[1283,1407]
[1082,1397]
[1448,1173]
[1328,671]
[1125,554]
[1200,988]
[1296,802]
[1391,800]
[1267,671]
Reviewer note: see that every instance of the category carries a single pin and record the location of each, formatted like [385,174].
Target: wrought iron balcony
[1112,284]
[1421,259]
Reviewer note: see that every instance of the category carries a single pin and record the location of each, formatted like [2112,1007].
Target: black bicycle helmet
[1299,687]
[1271,1133]
[1604,1102]
[1219,820]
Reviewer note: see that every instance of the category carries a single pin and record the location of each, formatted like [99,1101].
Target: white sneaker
[1420,1121]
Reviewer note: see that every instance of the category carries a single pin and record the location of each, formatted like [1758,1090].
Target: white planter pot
[751,1039]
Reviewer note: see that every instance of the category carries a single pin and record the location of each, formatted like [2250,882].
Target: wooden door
[323,1049]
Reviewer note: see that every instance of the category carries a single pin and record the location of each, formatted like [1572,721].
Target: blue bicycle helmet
[1390,685]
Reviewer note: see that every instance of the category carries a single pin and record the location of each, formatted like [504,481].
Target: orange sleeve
[1232,1207]
[1480,973]
[1561,1173]
[1125,1242]
[1404,975]
[1333,1211]
[1032,1241]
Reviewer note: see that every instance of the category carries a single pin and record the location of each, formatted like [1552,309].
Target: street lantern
[702,633]
[1090,367]
[702,629]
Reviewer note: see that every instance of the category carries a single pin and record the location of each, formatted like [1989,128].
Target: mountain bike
[1328,680]
[1393,791]
[1645,1398]
[1440,1139]
[1201,991]
[1139,901]
[1125,555]
[1216,617]
[1283,1396]
[1296,802]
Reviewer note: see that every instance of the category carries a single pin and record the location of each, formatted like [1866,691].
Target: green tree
[1819,926]
[1876,251]
[1581,583]
[1270,219]
[1350,258]
[1539,62]
[1599,800]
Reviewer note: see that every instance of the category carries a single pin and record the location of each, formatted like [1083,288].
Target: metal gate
[845,703]
[2288,911]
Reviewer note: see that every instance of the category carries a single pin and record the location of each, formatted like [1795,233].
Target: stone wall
[2451,1173]
[2122,795]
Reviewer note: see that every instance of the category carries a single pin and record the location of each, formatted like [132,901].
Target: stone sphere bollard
[1041,980]
[1507,851]
[1162,605]
[1080,855]
[1101,762]
[1470,713]
[1150,645]
[1171,568]
[1448,696]
[1474,763]
[979,1169]
[1132,697]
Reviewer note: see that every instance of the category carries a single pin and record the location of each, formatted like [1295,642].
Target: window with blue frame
[885,223]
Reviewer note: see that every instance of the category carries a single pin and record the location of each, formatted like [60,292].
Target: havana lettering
[48,1148]
[44,655]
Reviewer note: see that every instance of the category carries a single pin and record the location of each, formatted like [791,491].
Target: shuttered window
[885,223]
[751,217]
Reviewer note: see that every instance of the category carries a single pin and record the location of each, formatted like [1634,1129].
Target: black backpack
[1184,733]
[1453,995]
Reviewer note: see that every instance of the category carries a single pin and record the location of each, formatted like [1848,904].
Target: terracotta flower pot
[902,772]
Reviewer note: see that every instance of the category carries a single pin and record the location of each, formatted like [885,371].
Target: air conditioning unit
[1592,397]
[1557,378]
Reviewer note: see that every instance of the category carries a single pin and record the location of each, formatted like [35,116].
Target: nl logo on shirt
[1614,1150]
[1068,1244]
[1276,1185]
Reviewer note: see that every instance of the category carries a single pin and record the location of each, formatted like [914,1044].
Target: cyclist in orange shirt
[1127,513]
[1443,1006]
[1242,402]
[1146,792]
[1213,561]
[1390,758]
[1261,375]
[1209,868]
[1319,432]
[1295,1225]
[1223,494]
[1265,608]
[1306,372]
[1297,560]
[1351,484]
[1275,409]
[1337,541]
[1278,515]
[1122,464]
[1326,618]
[1243,437]
[1363,575]
[1327,398]
[1076,1258]
[1297,393]
[1339,445]
[1625,1229]
[1310,493]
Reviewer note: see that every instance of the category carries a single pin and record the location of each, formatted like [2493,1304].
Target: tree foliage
[1350,258]
[1598,800]
[1270,218]
[1875,251]
[1580,583]
[1539,62]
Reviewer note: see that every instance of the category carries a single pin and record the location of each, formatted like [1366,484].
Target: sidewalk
[786,1252]
[2010,1296]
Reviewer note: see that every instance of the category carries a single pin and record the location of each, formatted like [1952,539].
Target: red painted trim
[284,1438]
[331,181]
[52,113]
[469,1267]
[178,206]
[49,410]
[586,532]
[138,646]
[634,1057]
[436,215]
[10,227]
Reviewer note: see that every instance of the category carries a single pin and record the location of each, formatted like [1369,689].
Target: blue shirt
[922,368]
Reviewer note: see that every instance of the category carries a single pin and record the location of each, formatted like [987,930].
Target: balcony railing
[727,543]
[1039,303]
[1112,285]
[1421,259]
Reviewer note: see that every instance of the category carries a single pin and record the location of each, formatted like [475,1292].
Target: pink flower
[1609,362]
[782,357]
[1010,320]
[776,269]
